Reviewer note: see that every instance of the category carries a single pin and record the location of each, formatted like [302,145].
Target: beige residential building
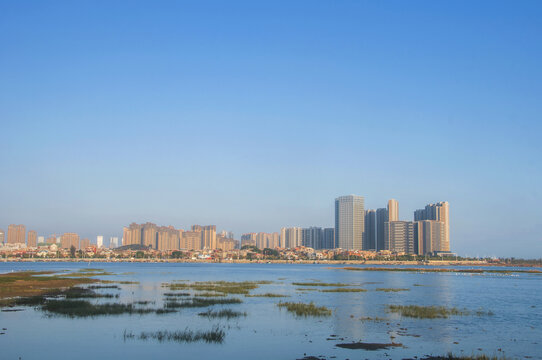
[401,236]
[208,237]
[32,238]
[437,212]
[167,238]
[67,240]
[225,243]
[85,243]
[2,236]
[431,236]
[191,240]
[393,210]
[291,237]
[149,234]
[132,234]
[267,240]
[16,234]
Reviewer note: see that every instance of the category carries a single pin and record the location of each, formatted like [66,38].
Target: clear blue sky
[256,115]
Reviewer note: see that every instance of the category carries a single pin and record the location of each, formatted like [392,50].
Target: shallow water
[267,332]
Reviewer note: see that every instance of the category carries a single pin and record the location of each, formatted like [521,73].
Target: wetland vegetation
[305,310]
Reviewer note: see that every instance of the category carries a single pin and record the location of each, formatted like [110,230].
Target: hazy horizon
[256,115]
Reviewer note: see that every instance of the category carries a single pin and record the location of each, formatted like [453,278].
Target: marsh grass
[345,290]
[392,289]
[319,284]
[225,287]
[267,295]
[426,312]
[200,302]
[374,319]
[216,335]
[176,294]
[305,310]
[83,308]
[225,313]
[85,293]
[210,294]
[95,287]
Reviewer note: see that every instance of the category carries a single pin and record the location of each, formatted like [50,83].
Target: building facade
[349,222]
[32,239]
[16,234]
[369,242]
[381,220]
[402,236]
[437,212]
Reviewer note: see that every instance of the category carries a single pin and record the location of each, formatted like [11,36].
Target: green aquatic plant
[83,308]
[346,290]
[319,284]
[225,287]
[200,302]
[224,313]
[305,310]
[216,335]
[268,295]
[426,312]
[392,289]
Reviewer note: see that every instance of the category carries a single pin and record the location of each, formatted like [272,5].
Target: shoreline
[303,262]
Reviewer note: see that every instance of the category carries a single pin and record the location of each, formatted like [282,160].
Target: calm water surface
[515,329]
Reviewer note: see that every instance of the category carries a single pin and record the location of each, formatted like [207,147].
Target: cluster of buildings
[165,238]
[356,229]
[380,229]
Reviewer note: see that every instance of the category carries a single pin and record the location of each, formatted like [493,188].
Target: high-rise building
[191,240]
[208,236]
[349,222]
[2,236]
[401,236]
[113,242]
[431,236]
[369,242]
[313,237]
[329,238]
[99,241]
[16,234]
[149,234]
[437,212]
[393,210]
[381,220]
[67,240]
[291,237]
[248,239]
[41,240]
[32,238]
[167,238]
[267,240]
[84,243]
[132,234]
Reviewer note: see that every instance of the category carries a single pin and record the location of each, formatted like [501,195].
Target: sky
[256,115]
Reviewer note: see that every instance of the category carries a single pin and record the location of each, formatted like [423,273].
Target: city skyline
[252,116]
[356,229]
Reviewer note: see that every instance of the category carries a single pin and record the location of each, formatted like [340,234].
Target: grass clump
[85,293]
[215,335]
[318,284]
[210,294]
[392,289]
[225,287]
[200,302]
[425,312]
[346,290]
[83,308]
[305,310]
[451,356]
[174,294]
[268,295]
[225,313]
